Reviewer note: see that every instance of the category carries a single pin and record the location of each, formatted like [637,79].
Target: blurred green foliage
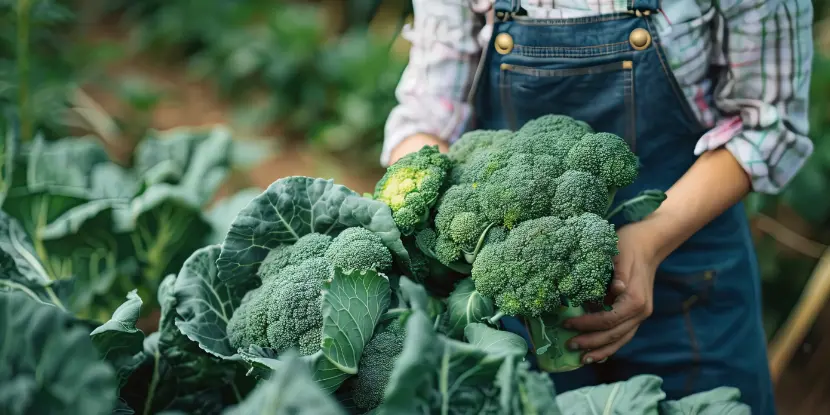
[317,72]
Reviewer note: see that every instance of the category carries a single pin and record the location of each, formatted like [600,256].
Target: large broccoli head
[286,310]
[547,259]
[412,185]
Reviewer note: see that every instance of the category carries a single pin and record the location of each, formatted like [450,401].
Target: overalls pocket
[529,92]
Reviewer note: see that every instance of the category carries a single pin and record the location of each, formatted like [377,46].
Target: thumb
[615,289]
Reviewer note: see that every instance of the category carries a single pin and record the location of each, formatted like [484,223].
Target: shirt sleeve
[432,92]
[767,48]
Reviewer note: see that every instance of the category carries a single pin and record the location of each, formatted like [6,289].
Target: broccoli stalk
[549,340]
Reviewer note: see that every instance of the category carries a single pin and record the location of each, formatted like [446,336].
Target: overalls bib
[611,72]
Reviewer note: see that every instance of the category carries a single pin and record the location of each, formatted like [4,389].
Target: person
[711,95]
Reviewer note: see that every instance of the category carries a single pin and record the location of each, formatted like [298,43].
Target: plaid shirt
[760,97]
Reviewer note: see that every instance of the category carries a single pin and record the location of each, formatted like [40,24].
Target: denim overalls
[611,72]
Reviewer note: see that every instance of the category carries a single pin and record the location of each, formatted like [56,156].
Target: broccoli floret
[376,365]
[475,141]
[521,190]
[411,186]
[313,245]
[552,135]
[359,248]
[545,259]
[459,223]
[578,192]
[606,156]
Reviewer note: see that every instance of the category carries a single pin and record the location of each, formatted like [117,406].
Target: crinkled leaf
[264,361]
[111,181]
[639,395]
[166,226]
[119,341]
[524,391]
[223,213]
[495,342]
[465,306]
[291,390]
[428,363]
[719,401]
[47,364]
[82,244]
[209,165]
[353,302]
[173,147]
[205,303]
[295,206]
[64,164]
[198,375]
[20,267]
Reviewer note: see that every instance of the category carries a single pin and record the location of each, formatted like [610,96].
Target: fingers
[623,309]
[606,351]
[597,340]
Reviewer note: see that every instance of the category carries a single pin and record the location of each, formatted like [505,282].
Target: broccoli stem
[471,256]
[495,318]
[612,193]
[550,340]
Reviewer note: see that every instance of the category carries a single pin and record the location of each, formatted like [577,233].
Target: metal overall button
[640,38]
[504,43]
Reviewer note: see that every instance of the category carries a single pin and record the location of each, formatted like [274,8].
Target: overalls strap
[643,5]
[510,6]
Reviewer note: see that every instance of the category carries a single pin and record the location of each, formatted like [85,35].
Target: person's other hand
[603,333]
[414,143]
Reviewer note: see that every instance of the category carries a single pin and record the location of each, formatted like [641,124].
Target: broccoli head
[606,156]
[376,365]
[474,142]
[411,186]
[359,248]
[286,310]
[547,259]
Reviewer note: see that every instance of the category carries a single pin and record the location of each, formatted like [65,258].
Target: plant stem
[495,319]
[151,391]
[26,122]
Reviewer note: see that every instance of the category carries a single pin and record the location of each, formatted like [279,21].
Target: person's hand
[414,143]
[631,291]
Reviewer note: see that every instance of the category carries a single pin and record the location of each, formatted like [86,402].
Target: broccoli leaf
[20,265]
[495,342]
[291,390]
[295,206]
[205,303]
[222,214]
[465,306]
[119,341]
[719,401]
[263,361]
[165,225]
[82,245]
[49,365]
[352,305]
[639,395]
[435,374]
[640,206]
